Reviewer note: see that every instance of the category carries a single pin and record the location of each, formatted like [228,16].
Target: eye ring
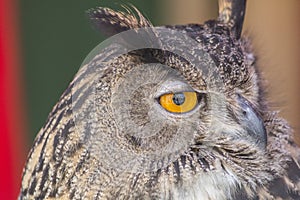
[181,102]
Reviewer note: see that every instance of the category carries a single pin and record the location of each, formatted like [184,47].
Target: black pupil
[178,99]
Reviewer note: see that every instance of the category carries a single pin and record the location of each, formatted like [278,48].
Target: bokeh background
[42,44]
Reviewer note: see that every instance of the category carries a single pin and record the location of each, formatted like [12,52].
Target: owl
[169,112]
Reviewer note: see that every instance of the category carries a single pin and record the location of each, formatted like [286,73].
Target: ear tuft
[111,22]
[232,13]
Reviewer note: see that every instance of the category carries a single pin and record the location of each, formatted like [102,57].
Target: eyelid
[173,87]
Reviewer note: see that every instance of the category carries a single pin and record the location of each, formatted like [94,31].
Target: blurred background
[42,44]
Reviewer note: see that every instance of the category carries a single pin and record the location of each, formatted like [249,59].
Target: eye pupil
[179,98]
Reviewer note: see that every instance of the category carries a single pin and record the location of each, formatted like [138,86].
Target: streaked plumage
[241,150]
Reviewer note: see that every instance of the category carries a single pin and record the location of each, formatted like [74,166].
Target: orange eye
[179,102]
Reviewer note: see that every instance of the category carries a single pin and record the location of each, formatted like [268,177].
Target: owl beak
[252,122]
[231,13]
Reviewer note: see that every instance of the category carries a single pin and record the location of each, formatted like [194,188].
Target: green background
[55,38]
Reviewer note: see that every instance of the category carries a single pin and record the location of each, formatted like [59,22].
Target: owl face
[175,109]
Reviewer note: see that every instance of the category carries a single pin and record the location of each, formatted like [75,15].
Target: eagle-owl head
[171,112]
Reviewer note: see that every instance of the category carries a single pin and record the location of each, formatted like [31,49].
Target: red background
[12,122]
